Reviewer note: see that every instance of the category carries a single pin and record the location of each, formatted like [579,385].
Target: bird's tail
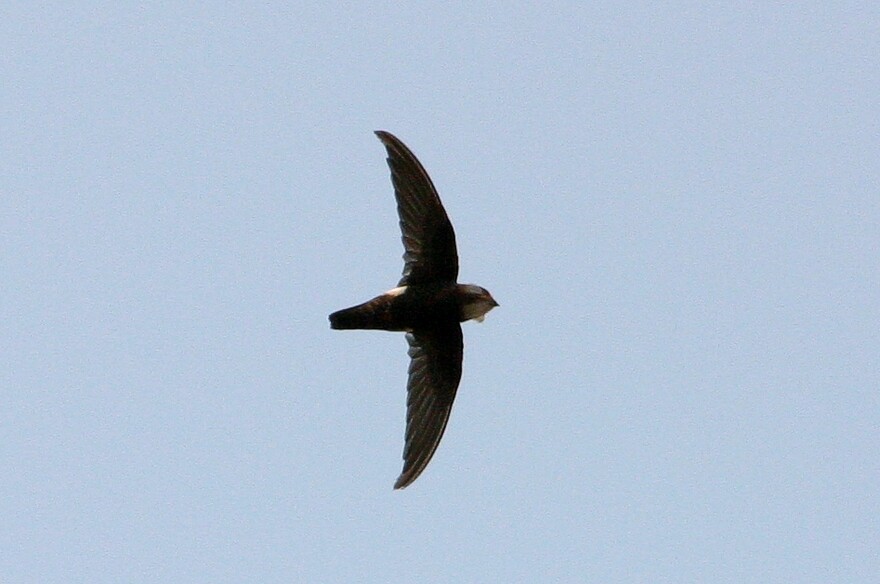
[348,318]
[374,314]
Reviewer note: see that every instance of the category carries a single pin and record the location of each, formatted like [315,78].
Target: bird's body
[412,308]
[428,304]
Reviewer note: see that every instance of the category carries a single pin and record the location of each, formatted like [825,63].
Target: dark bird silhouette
[428,304]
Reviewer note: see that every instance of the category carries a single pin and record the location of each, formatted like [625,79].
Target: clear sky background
[677,207]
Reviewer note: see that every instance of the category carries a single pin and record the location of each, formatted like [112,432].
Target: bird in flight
[428,304]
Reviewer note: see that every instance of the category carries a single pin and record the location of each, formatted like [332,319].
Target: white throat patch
[476,310]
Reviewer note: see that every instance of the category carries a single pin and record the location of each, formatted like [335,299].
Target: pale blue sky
[677,207]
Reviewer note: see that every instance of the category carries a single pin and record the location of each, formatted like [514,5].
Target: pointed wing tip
[385,136]
[406,478]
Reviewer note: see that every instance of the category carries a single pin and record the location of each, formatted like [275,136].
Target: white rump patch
[396,291]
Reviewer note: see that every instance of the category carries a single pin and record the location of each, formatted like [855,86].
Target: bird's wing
[434,373]
[430,254]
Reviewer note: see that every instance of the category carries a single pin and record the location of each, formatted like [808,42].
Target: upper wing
[434,373]
[428,239]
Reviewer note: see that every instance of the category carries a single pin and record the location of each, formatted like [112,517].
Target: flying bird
[428,304]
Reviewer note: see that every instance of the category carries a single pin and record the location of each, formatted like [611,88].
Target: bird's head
[475,302]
